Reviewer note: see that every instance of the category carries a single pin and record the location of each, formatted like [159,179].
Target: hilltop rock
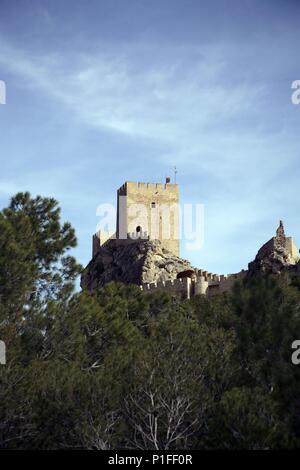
[138,262]
[273,257]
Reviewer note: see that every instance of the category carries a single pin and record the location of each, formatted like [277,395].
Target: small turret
[280,235]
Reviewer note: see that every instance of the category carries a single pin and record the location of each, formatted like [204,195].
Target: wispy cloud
[168,103]
[208,108]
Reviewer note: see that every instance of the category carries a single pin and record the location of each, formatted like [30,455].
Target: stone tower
[150,211]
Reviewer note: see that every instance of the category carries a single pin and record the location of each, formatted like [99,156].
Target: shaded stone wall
[181,287]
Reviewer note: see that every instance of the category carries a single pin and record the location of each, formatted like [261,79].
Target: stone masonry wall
[157,201]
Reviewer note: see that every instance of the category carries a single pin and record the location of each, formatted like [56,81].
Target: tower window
[139,228]
[153,205]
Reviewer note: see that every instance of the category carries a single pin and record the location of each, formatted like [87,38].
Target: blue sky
[101,92]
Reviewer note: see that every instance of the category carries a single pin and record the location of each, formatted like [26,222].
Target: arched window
[138,229]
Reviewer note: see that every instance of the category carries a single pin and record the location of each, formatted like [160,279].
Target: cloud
[204,112]
[163,102]
[182,107]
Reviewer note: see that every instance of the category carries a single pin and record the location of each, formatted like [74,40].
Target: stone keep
[150,211]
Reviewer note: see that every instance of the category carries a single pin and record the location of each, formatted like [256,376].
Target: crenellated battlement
[170,283]
[143,235]
[101,238]
[140,207]
[138,185]
[180,286]
[104,237]
[203,284]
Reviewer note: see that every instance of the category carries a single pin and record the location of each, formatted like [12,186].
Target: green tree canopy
[121,368]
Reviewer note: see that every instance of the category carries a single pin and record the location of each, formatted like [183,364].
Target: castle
[144,249]
[145,211]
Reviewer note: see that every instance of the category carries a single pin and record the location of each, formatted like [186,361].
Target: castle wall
[153,207]
[200,286]
[206,283]
[292,250]
[100,239]
[227,282]
[181,287]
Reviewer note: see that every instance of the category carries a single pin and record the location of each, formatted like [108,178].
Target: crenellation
[150,207]
[161,284]
[200,285]
[100,239]
[153,285]
[141,215]
[147,185]
[136,235]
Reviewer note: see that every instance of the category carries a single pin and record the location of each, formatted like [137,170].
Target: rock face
[273,257]
[146,261]
[142,261]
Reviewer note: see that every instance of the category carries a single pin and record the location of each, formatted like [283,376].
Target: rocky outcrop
[147,261]
[138,262]
[273,257]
